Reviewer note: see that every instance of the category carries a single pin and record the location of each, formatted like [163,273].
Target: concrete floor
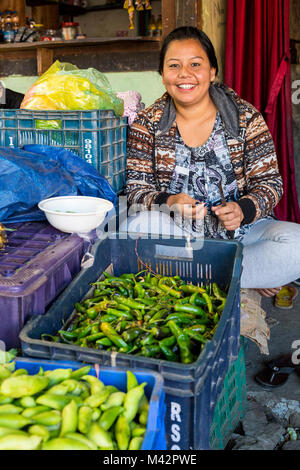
[284,330]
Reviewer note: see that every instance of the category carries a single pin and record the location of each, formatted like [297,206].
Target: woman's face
[187,72]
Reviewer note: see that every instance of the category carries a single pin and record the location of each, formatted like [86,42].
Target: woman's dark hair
[188,32]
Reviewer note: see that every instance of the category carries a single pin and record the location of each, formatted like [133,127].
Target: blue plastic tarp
[37,172]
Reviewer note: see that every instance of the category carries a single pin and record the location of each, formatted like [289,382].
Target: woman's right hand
[187,206]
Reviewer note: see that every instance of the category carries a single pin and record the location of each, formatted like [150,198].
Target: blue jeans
[271,253]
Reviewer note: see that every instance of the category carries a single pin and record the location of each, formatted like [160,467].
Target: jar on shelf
[69,30]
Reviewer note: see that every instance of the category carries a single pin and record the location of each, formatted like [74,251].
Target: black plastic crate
[192,390]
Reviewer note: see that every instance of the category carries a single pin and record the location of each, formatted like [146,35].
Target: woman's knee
[284,232]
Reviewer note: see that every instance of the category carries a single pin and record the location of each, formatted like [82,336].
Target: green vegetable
[65,443]
[19,442]
[23,385]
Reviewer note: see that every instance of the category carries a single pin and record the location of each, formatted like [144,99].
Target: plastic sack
[65,87]
[38,172]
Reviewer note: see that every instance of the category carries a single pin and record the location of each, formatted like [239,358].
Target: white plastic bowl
[75,214]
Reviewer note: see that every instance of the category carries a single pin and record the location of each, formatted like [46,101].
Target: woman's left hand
[230,215]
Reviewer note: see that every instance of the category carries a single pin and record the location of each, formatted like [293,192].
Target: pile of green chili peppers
[62,409]
[147,315]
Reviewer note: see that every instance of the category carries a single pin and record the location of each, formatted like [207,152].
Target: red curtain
[257,67]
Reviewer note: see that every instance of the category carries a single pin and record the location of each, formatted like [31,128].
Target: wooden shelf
[119,53]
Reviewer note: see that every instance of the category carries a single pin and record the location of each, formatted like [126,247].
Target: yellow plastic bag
[65,87]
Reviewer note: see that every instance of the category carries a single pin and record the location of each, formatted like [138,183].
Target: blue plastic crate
[99,137]
[192,390]
[155,438]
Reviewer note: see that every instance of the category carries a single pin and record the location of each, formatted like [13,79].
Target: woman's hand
[187,206]
[230,215]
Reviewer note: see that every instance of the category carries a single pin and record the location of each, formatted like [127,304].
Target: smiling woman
[202,154]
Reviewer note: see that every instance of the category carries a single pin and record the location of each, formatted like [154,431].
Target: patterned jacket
[151,154]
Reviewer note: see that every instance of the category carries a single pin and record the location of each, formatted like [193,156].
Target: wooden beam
[44,59]
[168,16]
[177,13]
[188,13]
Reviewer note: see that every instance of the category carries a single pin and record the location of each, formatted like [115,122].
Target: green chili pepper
[122,432]
[131,401]
[108,318]
[158,315]
[119,313]
[138,430]
[68,335]
[162,283]
[221,307]
[100,437]
[83,331]
[109,417]
[85,414]
[64,443]
[188,308]
[81,439]
[116,339]
[79,307]
[131,380]
[69,418]
[93,337]
[131,334]
[114,400]
[135,443]
[29,412]
[16,441]
[150,351]
[150,302]
[39,430]
[182,341]
[57,376]
[139,291]
[169,341]
[47,418]
[58,402]
[128,277]
[148,339]
[23,385]
[199,328]
[96,385]
[104,342]
[4,400]
[191,289]
[160,332]
[168,353]
[194,335]
[78,373]
[132,303]
[25,402]
[10,409]
[183,318]
[95,400]
[208,302]
[197,299]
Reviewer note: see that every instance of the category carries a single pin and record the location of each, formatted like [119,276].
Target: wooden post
[177,13]
[168,16]
[187,13]
[44,59]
